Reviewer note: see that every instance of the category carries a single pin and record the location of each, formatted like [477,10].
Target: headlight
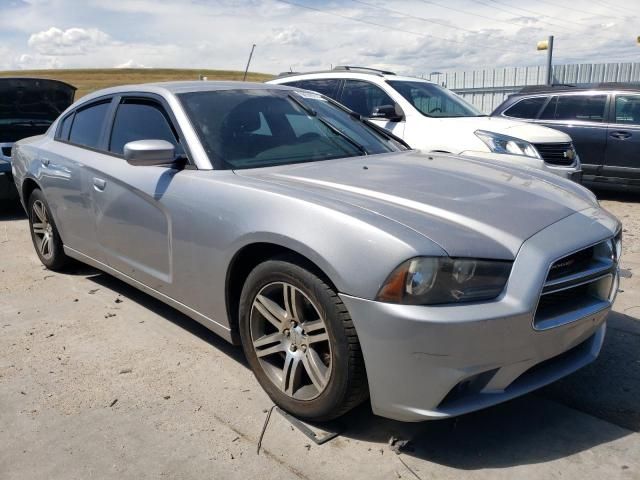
[499,143]
[436,280]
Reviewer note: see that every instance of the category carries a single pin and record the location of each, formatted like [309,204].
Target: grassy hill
[88,80]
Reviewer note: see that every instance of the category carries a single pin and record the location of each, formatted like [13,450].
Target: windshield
[263,128]
[433,100]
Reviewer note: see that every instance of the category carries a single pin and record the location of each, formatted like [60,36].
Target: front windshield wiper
[311,112]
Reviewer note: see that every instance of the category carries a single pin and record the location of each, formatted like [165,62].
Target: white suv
[431,118]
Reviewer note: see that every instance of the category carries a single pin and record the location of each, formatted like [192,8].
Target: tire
[321,363]
[44,233]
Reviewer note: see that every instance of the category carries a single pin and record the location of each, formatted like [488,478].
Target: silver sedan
[345,264]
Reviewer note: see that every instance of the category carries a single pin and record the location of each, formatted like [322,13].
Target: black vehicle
[27,107]
[603,120]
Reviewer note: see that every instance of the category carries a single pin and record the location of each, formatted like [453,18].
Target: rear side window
[526,108]
[364,97]
[325,86]
[583,108]
[65,128]
[88,124]
[628,109]
[140,119]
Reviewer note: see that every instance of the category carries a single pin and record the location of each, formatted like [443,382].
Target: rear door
[65,178]
[583,117]
[622,159]
[135,205]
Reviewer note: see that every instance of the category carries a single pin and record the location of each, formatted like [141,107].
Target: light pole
[248,62]
[548,46]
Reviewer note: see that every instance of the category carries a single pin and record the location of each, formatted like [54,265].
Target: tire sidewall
[336,391]
[57,259]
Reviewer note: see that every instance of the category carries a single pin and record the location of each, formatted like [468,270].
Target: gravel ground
[98,380]
[627,208]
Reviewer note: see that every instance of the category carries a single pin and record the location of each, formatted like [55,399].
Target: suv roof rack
[366,69]
[580,86]
[343,68]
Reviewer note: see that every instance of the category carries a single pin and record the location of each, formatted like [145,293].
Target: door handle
[99,184]
[620,135]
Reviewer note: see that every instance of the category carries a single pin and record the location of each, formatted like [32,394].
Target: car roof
[183,87]
[564,88]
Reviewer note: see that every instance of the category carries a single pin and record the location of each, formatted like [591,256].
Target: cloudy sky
[412,36]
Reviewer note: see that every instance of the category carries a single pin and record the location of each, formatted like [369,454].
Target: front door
[364,97]
[622,159]
[583,118]
[135,205]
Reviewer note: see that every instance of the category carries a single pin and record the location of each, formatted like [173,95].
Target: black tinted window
[527,108]
[363,97]
[140,120]
[628,109]
[65,127]
[87,125]
[325,86]
[584,108]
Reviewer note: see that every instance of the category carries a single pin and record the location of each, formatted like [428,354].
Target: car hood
[469,207]
[526,131]
[29,105]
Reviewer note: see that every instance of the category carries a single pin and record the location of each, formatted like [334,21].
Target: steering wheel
[434,110]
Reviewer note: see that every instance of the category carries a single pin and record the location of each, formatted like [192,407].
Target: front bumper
[442,361]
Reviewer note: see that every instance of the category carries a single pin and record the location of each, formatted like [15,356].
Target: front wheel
[300,341]
[44,233]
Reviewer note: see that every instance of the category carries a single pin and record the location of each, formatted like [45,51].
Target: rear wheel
[300,341]
[44,233]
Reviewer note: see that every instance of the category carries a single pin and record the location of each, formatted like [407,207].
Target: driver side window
[141,119]
[363,97]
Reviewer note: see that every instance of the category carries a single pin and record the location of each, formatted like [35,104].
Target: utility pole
[548,46]
[248,63]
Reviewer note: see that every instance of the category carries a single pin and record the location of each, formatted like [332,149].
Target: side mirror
[149,153]
[387,112]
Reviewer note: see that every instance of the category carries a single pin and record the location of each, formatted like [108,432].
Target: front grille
[577,285]
[557,153]
[6,151]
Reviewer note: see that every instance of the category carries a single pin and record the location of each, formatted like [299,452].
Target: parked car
[603,120]
[433,119]
[27,107]
[344,263]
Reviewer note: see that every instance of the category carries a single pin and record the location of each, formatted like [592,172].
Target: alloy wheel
[42,229]
[290,339]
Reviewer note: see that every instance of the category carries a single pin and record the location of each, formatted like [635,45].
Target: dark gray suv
[603,121]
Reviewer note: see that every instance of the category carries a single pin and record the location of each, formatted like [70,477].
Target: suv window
[88,124]
[584,108]
[362,97]
[325,86]
[628,109]
[140,119]
[526,108]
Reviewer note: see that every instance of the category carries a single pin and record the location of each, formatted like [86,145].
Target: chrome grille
[557,153]
[578,285]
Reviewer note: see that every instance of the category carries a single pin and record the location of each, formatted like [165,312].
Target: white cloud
[219,34]
[73,41]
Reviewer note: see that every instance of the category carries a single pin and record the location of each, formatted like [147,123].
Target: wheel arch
[27,187]
[249,257]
